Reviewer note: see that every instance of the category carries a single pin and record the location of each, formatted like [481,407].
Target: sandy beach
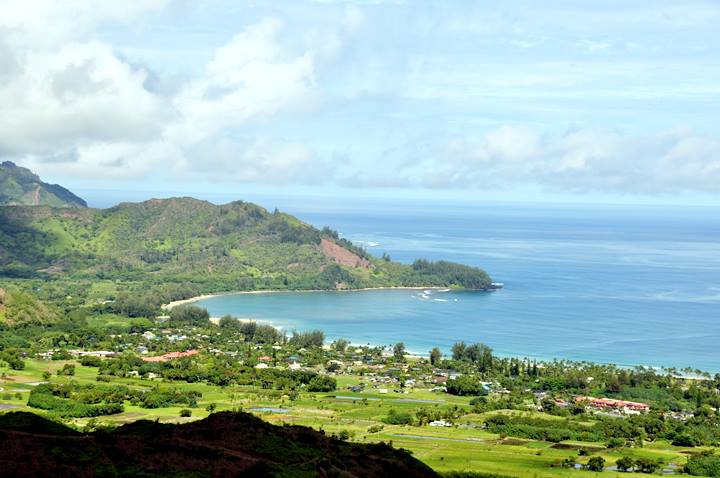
[176,303]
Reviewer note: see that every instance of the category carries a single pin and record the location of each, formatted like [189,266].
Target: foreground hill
[20,186]
[225,444]
[236,246]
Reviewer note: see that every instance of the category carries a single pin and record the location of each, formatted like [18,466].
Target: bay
[631,285]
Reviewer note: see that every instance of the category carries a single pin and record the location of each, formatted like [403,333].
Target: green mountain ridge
[235,246]
[20,186]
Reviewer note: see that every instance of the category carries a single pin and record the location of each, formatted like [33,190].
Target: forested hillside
[20,186]
[236,246]
[18,308]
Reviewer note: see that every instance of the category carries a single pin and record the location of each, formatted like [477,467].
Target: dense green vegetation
[494,406]
[78,280]
[703,464]
[19,186]
[176,248]
[20,308]
[72,400]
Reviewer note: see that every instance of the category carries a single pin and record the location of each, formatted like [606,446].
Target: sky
[564,101]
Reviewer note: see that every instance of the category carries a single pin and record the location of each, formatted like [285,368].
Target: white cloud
[580,161]
[259,160]
[250,77]
[276,99]
[75,95]
[45,23]
[63,93]
[78,108]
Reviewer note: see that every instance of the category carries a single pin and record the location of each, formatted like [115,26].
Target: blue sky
[600,101]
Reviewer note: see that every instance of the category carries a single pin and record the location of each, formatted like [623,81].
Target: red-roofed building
[609,403]
[171,356]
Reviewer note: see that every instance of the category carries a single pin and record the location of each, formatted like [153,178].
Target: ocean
[613,284]
[630,285]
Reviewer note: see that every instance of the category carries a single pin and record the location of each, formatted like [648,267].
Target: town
[557,415]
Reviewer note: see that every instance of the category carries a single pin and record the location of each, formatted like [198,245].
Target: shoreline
[198,298]
[415,353]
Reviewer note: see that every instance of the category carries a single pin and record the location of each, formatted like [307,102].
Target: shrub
[596,463]
[625,464]
[185,412]
[647,465]
[703,464]
[615,442]
[90,361]
[322,383]
[683,439]
[68,369]
[397,418]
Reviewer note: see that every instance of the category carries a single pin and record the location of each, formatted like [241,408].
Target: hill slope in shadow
[225,444]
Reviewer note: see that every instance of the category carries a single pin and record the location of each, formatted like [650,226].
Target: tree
[458,350]
[625,464]
[340,345]
[435,356]
[68,369]
[190,315]
[705,463]
[596,463]
[616,442]
[12,357]
[314,338]
[397,418]
[646,465]
[465,385]
[321,383]
[90,361]
[229,322]
[479,354]
[399,351]
[683,439]
[185,412]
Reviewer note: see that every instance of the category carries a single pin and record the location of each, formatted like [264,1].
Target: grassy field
[465,446]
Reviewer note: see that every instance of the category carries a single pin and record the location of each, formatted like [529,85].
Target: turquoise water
[630,286]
